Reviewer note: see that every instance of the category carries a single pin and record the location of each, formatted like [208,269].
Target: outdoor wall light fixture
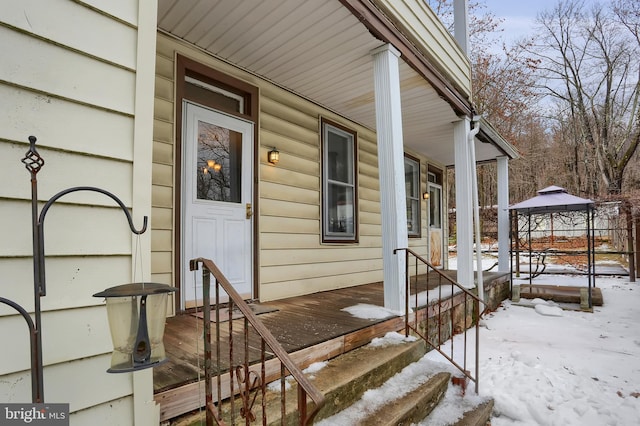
[136,311]
[425,195]
[273,156]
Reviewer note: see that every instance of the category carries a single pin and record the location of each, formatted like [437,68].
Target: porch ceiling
[319,50]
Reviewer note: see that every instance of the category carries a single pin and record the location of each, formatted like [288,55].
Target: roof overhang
[321,50]
[490,144]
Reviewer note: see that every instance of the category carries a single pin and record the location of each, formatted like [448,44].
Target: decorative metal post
[34,162]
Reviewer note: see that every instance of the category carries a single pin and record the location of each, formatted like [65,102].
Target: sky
[541,364]
[518,16]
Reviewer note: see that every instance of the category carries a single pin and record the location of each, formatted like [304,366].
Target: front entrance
[217,214]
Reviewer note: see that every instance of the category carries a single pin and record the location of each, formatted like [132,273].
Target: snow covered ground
[547,366]
[542,365]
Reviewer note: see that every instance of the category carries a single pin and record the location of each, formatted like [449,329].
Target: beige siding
[292,259]
[69,78]
[80,36]
[98,132]
[76,76]
[425,29]
[88,374]
[71,280]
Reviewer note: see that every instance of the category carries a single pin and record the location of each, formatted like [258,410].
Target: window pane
[219,163]
[412,191]
[339,157]
[435,204]
[341,209]
[411,178]
[207,94]
[413,218]
[339,221]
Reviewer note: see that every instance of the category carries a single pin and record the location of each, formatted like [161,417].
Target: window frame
[416,198]
[328,236]
[434,181]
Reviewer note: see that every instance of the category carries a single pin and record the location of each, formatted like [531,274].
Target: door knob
[249,211]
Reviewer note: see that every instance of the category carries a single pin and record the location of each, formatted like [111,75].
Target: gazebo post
[530,252]
[591,267]
[517,237]
[632,259]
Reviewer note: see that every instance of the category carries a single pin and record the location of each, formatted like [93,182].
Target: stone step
[346,378]
[412,407]
[478,416]
[342,381]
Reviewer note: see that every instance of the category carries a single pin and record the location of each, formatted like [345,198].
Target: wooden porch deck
[313,326]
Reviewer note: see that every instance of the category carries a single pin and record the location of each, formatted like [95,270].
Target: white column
[460,23]
[145,410]
[503,214]
[386,74]
[464,205]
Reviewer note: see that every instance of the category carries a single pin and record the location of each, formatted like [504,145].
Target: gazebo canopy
[552,199]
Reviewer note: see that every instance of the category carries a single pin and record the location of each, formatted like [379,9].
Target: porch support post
[145,409]
[460,23]
[503,214]
[464,205]
[386,75]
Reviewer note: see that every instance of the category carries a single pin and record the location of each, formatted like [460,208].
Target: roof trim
[488,134]
[383,29]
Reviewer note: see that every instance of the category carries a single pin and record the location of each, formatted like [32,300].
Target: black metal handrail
[250,381]
[442,305]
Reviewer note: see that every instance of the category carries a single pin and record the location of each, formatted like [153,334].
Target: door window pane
[219,171]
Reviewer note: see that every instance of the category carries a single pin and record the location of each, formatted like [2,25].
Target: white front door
[217,216]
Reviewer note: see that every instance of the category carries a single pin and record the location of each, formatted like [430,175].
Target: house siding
[422,26]
[71,81]
[292,259]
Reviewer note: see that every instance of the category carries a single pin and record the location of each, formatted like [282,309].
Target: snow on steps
[345,379]
[412,386]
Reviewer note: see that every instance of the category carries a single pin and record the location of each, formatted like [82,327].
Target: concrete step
[412,407]
[346,378]
[478,416]
[342,381]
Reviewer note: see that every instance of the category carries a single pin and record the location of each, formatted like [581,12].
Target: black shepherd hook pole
[34,162]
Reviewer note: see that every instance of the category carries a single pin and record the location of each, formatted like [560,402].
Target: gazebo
[550,200]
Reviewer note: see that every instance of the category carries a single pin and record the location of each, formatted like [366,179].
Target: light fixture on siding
[425,195]
[273,156]
[136,311]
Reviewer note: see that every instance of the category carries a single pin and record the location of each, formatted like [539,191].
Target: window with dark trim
[339,184]
[412,189]
[434,178]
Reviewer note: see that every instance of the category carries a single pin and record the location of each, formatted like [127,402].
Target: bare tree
[588,59]
[504,93]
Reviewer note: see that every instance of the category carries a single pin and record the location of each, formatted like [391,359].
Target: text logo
[34,414]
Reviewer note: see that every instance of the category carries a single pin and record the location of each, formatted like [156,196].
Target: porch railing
[437,322]
[244,369]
